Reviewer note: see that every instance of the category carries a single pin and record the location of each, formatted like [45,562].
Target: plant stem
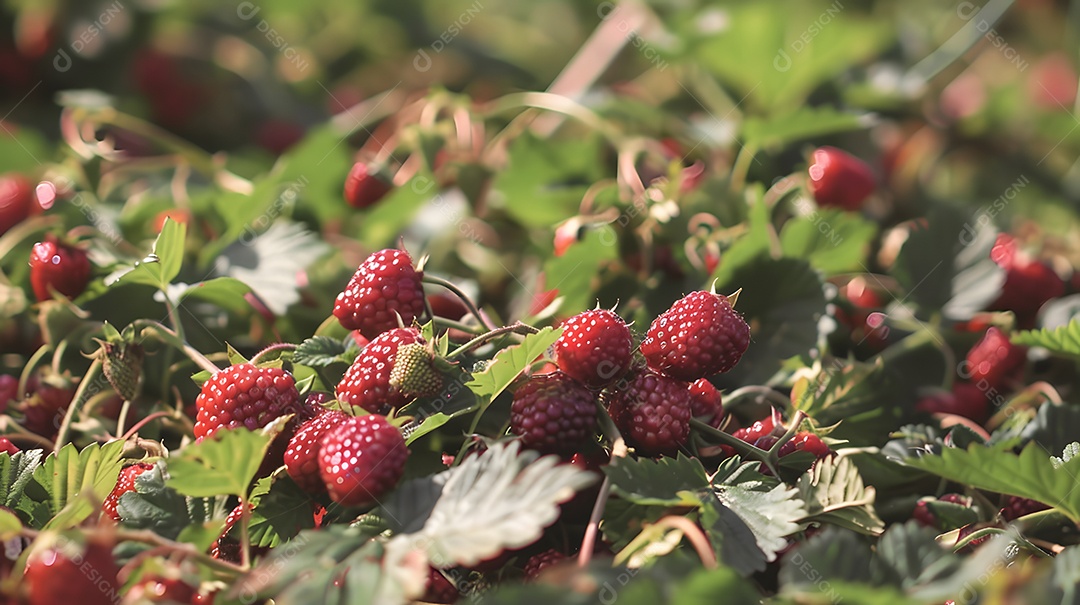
[514,328]
[135,429]
[76,403]
[742,167]
[173,338]
[122,419]
[438,281]
[744,449]
[280,346]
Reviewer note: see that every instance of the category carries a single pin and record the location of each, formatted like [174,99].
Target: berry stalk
[469,304]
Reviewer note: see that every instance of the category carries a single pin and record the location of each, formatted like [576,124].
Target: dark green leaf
[1054,427]
[282,510]
[732,539]
[909,555]
[545,179]
[319,352]
[16,472]
[833,555]
[657,482]
[155,506]
[88,475]
[833,241]
[508,363]
[771,515]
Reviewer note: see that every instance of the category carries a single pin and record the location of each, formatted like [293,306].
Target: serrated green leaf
[509,363]
[319,351]
[833,492]
[163,263]
[1030,474]
[770,515]
[16,472]
[732,539]
[909,556]
[157,507]
[69,474]
[833,555]
[518,493]
[1062,340]
[282,510]
[1071,451]
[657,482]
[407,509]
[426,426]
[222,465]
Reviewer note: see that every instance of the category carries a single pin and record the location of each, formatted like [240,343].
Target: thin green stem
[742,167]
[443,322]
[169,337]
[744,449]
[76,403]
[556,103]
[31,364]
[121,421]
[514,328]
[774,451]
[469,304]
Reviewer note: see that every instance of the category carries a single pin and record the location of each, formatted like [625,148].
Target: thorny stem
[438,281]
[76,403]
[280,346]
[618,450]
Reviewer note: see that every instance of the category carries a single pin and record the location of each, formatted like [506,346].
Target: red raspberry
[653,413]
[439,589]
[1016,507]
[244,396]
[59,267]
[302,456]
[7,447]
[700,335]
[706,403]
[384,286]
[966,399]
[994,358]
[806,442]
[839,179]
[759,429]
[44,410]
[595,348]
[553,414]
[541,561]
[364,188]
[926,517]
[366,383]
[58,575]
[361,459]
[16,200]
[1029,284]
[124,483]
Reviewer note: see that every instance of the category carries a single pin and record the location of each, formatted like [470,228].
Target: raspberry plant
[777,304]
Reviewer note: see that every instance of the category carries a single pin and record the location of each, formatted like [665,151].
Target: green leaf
[307,569]
[519,494]
[1031,474]
[509,363]
[1062,340]
[911,556]
[833,492]
[222,465]
[282,510]
[269,262]
[163,263]
[546,178]
[10,525]
[803,123]
[732,539]
[426,426]
[16,472]
[573,274]
[1054,427]
[314,170]
[1071,451]
[833,555]
[225,292]
[157,507]
[387,219]
[770,515]
[70,474]
[833,241]
[320,351]
[657,482]
[408,507]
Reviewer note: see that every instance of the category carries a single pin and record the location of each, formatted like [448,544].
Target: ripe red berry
[756,431]
[124,483]
[993,358]
[7,447]
[364,188]
[553,414]
[384,287]
[59,267]
[926,517]
[1016,507]
[366,383]
[1029,284]
[44,410]
[62,575]
[595,348]
[361,459]
[806,442]
[9,390]
[839,179]
[653,413]
[965,399]
[302,455]
[706,403]
[243,396]
[156,589]
[16,200]
[700,335]
[541,561]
